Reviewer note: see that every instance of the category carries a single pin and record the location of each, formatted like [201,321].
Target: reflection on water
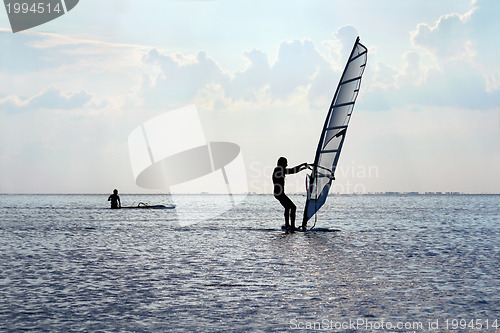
[70,264]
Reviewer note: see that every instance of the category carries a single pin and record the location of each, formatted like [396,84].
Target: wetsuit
[279,174]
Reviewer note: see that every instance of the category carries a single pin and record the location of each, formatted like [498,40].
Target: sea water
[398,263]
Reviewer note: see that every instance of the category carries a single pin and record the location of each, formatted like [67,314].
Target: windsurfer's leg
[293,209]
[290,209]
[304,221]
[287,217]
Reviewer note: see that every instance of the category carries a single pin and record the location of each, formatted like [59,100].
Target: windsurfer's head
[282,161]
[115,191]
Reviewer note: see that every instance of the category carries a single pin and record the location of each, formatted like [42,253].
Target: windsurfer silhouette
[115,200]
[279,174]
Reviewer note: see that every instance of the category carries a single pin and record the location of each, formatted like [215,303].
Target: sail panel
[334,131]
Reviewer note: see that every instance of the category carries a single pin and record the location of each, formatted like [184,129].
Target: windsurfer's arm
[296,169]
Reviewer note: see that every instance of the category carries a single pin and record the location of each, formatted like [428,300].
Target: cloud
[413,73]
[451,65]
[345,35]
[22,56]
[297,64]
[299,71]
[245,84]
[52,98]
[181,77]
[448,39]
[465,42]
[32,61]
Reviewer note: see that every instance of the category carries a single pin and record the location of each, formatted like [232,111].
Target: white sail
[334,131]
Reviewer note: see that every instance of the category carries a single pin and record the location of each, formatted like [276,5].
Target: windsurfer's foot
[289,228]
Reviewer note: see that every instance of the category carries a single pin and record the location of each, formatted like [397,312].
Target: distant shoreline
[270,194]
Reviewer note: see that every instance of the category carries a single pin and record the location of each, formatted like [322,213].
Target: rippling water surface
[68,263]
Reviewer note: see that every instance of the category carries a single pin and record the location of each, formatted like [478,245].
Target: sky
[262,75]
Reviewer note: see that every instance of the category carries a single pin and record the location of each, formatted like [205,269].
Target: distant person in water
[279,174]
[115,200]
